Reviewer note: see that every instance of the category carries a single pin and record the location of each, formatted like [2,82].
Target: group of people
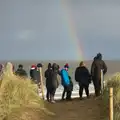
[82,75]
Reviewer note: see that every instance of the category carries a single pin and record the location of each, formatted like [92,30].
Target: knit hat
[66,65]
[39,65]
[33,66]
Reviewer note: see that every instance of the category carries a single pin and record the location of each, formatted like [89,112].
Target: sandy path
[87,109]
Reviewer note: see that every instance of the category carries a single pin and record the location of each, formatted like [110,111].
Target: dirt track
[87,109]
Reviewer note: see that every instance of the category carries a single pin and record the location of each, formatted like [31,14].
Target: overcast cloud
[35,29]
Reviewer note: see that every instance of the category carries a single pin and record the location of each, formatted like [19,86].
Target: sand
[87,109]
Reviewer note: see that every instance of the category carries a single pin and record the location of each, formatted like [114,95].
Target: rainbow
[68,21]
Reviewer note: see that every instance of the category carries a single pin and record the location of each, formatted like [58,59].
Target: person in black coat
[33,73]
[83,77]
[20,71]
[96,67]
[52,81]
[48,76]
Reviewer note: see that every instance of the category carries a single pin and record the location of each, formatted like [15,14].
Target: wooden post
[42,85]
[111,104]
[102,82]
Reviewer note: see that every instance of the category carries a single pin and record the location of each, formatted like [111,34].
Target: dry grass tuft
[18,98]
[114,82]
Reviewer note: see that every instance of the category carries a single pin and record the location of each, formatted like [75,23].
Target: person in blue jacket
[66,82]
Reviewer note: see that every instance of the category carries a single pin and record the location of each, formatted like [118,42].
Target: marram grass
[18,98]
[113,81]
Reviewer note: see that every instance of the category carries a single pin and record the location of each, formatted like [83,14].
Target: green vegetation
[113,81]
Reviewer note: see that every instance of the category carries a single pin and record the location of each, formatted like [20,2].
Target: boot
[52,99]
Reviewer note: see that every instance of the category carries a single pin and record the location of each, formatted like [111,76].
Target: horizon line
[53,60]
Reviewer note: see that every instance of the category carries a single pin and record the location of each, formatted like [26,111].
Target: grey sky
[35,29]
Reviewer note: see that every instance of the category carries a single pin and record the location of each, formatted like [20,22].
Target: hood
[55,66]
[99,56]
[95,58]
[49,66]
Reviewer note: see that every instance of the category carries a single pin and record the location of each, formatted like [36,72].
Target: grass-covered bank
[113,81]
[19,99]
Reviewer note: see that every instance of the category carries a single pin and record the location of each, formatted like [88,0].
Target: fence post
[111,104]
[42,85]
[102,82]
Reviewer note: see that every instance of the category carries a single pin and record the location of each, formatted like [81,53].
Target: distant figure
[51,81]
[33,70]
[96,67]
[38,75]
[48,76]
[35,74]
[1,68]
[82,76]
[21,72]
[66,82]
[68,90]
[54,83]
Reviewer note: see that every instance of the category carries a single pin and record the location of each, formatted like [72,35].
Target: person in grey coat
[96,67]
[54,81]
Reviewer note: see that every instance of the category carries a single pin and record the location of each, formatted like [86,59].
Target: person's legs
[52,94]
[69,92]
[64,91]
[87,90]
[80,90]
[48,94]
[97,87]
[68,97]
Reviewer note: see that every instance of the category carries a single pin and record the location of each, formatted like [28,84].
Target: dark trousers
[97,86]
[50,93]
[68,91]
[81,88]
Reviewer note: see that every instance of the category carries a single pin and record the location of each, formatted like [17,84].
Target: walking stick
[42,85]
